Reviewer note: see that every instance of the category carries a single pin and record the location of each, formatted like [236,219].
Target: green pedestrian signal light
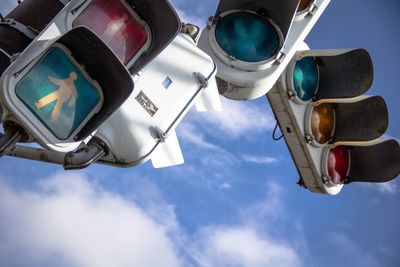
[59,93]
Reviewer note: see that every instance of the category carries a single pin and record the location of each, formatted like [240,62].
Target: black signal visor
[343,76]
[110,73]
[378,163]
[364,120]
[281,12]
[164,25]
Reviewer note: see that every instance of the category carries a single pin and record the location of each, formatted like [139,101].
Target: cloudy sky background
[234,203]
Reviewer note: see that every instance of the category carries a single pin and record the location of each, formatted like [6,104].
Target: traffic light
[136,31]
[59,95]
[253,41]
[332,129]
[143,128]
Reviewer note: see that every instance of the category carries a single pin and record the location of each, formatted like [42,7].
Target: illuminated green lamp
[59,93]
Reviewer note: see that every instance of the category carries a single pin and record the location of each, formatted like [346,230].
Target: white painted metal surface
[144,126]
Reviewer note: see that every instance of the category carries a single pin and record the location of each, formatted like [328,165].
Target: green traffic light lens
[305,78]
[247,37]
[58,93]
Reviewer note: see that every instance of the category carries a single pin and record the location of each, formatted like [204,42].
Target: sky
[234,203]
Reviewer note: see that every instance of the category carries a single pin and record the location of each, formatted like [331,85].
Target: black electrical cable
[274,133]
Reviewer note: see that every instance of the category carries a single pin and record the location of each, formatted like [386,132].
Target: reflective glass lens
[115,24]
[322,123]
[338,164]
[305,78]
[304,4]
[247,37]
[58,93]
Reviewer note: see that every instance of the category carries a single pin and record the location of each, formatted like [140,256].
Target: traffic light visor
[59,93]
[305,78]
[247,36]
[117,25]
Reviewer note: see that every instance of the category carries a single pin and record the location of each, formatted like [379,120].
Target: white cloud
[388,188]
[237,119]
[70,222]
[226,185]
[345,252]
[243,247]
[259,160]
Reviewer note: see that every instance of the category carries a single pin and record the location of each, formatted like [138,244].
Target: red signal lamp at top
[135,30]
[119,27]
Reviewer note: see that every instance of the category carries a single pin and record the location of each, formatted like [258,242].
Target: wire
[274,132]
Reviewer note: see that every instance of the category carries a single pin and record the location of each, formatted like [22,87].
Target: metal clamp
[28,31]
[84,157]
[313,9]
[280,57]
[158,134]
[202,79]
[325,180]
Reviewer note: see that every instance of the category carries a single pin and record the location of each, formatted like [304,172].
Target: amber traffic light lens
[304,4]
[322,123]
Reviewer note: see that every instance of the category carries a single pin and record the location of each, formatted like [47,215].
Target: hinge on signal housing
[202,79]
[313,9]
[158,134]
[280,57]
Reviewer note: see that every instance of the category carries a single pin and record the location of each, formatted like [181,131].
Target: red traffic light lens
[304,4]
[116,24]
[322,123]
[338,164]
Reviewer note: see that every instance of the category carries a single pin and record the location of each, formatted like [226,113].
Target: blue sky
[234,203]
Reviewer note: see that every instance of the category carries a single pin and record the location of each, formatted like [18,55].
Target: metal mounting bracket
[202,79]
[159,134]
[28,31]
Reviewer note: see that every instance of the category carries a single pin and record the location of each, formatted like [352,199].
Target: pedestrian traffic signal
[253,41]
[143,128]
[330,127]
[59,95]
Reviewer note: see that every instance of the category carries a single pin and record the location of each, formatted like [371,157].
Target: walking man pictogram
[67,91]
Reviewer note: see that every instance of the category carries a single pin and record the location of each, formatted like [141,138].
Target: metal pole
[37,154]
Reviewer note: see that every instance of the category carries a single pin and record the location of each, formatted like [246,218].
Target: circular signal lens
[305,78]
[247,37]
[322,123]
[338,164]
[304,4]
